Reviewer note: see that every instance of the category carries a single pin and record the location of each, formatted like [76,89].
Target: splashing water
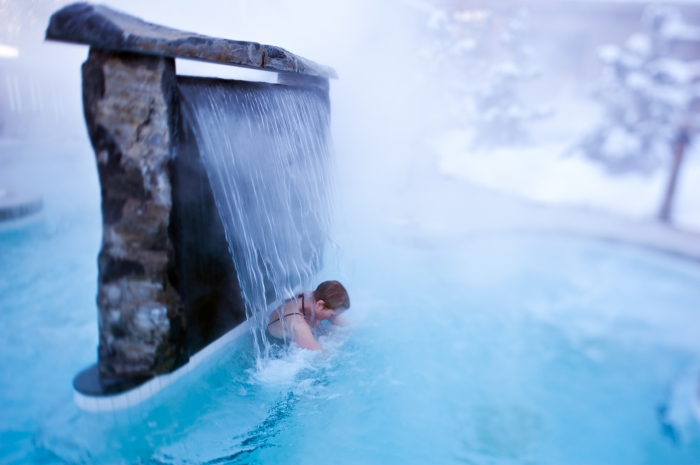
[266,151]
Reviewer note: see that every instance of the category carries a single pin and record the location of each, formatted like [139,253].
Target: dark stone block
[113,269]
[90,382]
[129,103]
[108,29]
[82,20]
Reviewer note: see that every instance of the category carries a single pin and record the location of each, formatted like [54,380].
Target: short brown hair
[333,295]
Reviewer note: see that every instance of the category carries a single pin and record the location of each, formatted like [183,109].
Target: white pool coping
[137,395]
[151,387]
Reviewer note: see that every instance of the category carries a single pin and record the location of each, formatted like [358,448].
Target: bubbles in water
[292,366]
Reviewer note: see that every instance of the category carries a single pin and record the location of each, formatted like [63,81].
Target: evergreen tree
[501,115]
[649,91]
[482,59]
[455,58]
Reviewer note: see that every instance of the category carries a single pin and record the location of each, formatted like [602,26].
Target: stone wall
[130,111]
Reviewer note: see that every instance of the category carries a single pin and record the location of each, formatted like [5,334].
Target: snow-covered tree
[455,58]
[501,115]
[483,62]
[650,93]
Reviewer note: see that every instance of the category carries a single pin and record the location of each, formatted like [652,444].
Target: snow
[609,53]
[639,44]
[606,150]
[620,142]
[678,30]
[548,173]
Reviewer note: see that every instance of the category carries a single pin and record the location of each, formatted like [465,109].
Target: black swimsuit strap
[285,316]
[303,312]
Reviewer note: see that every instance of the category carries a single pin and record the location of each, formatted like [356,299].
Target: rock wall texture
[108,29]
[130,110]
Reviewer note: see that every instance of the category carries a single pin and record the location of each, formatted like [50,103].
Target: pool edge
[139,394]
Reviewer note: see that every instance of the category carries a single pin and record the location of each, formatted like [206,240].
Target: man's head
[330,299]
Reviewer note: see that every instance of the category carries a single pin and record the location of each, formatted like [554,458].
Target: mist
[396,116]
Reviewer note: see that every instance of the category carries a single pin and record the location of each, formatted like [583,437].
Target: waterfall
[266,152]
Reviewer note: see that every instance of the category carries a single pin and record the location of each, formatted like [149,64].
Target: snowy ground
[546,172]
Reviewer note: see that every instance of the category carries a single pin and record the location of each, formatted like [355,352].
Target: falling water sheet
[266,150]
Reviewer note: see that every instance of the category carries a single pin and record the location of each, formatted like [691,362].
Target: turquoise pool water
[48,272]
[483,350]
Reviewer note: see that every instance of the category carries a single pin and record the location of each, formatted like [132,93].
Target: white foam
[287,367]
[284,370]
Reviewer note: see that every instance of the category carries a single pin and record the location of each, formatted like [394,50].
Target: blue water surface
[48,272]
[484,349]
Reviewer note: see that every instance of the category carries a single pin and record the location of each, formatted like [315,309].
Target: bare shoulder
[287,323]
[283,323]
